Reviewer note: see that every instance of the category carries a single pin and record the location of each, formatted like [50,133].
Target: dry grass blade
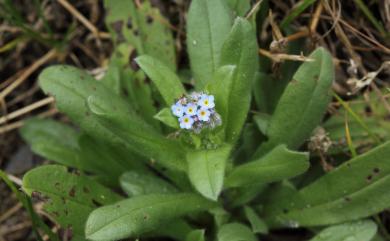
[280,57]
[49,55]
[10,212]
[18,124]
[26,109]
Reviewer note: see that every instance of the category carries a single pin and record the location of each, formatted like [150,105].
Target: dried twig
[26,109]
[10,212]
[279,57]
[15,228]
[49,55]
[79,16]
[17,124]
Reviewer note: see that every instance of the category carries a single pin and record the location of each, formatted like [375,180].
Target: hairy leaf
[235,232]
[52,140]
[303,103]
[342,195]
[206,170]
[165,79]
[277,165]
[144,28]
[138,136]
[69,197]
[258,225]
[196,235]
[166,117]
[141,183]
[356,231]
[240,50]
[141,214]
[208,25]
[239,7]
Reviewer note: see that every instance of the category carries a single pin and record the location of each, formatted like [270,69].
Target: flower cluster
[196,111]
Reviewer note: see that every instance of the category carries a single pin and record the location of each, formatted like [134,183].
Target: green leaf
[243,195]
[208,25]
[240,50]
[140,96]
[303,103]
[176,229]
[37,221]
[141,214]
[235,232]
[269,87]
[71,87]
[111,120]
[143,27]
[221,216]
[61,143]
[69,197]
[356,231]
[165,80]
[342,195]
[296,11]
[95,154]
[196,235]
[220,86]
[166,117]
[281,163]
[206,170]
[52,140]
[113,76]
[138,136]
[258,225]
[239,7]
[262,121]
[137,183]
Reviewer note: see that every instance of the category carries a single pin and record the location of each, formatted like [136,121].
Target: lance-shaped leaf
[138,136]
[258,225]
[356,189]
[52,140]
[220,86]
[206,170]
[176,229]
[95,154]
[61,143]
[208,25]
[196,235]
[239,7]
[142,27]
[240,50]
[69,197]
[166,80]
[277,165]
[166,117]
[141,214]
[112,120]
[355,231]
[141,183]
[303,103]
[71,88]
[235,232]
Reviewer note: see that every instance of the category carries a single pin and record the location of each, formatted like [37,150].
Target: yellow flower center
[206,102]
[186,120]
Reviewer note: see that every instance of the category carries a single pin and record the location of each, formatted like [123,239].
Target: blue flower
[177,109]
[207,101]
[191,109]
[203,114]
[186,122]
